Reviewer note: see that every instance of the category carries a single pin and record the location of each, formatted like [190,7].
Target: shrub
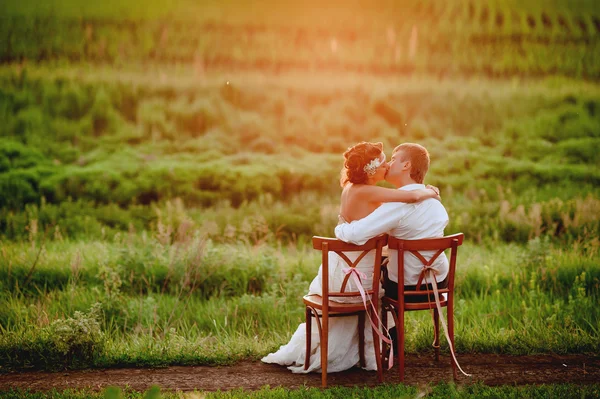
[15,155]
[19,188]
[103,117]
[29,123]
[78,339]
[195,118]
[74,342]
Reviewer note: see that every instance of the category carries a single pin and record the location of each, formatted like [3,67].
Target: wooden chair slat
[350,294]
[426,244]
[343,256]
[425,263]
[337,245]
[351,265]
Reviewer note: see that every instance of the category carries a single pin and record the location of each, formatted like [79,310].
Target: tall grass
[191,300]
[501,215]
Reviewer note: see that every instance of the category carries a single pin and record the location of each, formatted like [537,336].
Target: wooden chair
[398,307]
[322,307]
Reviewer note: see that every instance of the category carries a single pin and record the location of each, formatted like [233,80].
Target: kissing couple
[412,211]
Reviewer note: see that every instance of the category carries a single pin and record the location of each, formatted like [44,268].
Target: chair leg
[400,337]
[377,345]
[436,332]
[361,338]
[384,351]
[308,337]
[324,348]
[450,318]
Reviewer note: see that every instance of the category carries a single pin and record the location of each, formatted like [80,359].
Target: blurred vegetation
[92,153]
[497,38]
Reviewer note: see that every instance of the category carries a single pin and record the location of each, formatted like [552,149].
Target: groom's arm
[380,221]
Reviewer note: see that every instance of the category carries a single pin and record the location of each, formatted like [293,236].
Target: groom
[427,219]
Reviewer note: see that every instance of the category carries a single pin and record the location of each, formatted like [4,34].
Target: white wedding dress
[343,331]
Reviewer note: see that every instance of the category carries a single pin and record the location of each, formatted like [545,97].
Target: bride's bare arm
[382,194]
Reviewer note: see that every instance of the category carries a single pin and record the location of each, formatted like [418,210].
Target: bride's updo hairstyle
[355,160]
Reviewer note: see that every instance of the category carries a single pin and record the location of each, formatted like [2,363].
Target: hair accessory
[371,167]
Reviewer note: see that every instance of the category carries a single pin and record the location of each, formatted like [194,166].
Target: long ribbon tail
[439,308]
[383,337]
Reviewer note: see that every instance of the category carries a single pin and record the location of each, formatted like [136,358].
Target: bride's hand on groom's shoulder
[436,190]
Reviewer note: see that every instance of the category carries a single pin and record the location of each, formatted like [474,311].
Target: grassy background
[171,164]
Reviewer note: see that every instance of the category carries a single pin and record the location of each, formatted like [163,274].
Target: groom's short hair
[418,157]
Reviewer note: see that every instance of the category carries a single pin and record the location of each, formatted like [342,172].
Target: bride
[364,166]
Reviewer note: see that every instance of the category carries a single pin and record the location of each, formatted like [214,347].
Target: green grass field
[162,169]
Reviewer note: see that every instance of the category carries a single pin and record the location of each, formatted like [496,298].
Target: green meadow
[162,171]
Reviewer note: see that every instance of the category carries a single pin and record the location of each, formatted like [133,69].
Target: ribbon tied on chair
[428,270]
[356,276]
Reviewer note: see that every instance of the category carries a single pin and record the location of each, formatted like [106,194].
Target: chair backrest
[427,244]
[327,245]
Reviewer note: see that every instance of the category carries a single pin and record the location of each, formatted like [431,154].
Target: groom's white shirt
[426,219]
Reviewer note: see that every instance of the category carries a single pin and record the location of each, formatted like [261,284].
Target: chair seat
[316,301]
[416,305]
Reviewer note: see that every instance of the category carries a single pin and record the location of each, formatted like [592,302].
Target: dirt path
[420,369]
